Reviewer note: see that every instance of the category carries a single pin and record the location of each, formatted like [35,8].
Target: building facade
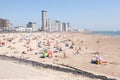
[58,26]
[64,26]
[44,21]
[49,24]
[19,28]
[68,26]
[53,25]
[5,23]
[32,25]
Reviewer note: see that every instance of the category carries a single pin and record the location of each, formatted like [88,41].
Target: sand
[21,72]
[16,43]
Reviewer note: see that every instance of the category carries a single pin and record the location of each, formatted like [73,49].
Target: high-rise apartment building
[53,25]
[68,26]
[44,21]
[49,24]
[58,26]
[64,27]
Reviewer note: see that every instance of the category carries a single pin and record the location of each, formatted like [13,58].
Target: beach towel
[45,54]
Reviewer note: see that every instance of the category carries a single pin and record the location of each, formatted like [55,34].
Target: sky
[97,15]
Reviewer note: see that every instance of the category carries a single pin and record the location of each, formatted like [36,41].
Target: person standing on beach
[64,54]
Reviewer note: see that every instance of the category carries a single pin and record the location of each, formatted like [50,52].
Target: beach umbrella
[99,58]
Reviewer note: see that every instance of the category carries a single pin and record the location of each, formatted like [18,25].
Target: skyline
[82,14]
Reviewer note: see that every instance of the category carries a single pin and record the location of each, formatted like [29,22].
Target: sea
[113,33]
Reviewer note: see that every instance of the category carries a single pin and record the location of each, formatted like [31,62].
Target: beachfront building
[57,26]
[44,21]
[60,26]
[66,27]
[31,26]
[53,25]
[20,29]
[28,29]
[49,24]
[5,23]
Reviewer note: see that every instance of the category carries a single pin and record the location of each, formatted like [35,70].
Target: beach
[69,48]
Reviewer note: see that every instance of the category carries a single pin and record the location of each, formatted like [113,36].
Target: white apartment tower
[44,21]
[49,24]
[58,26]
[68,26]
